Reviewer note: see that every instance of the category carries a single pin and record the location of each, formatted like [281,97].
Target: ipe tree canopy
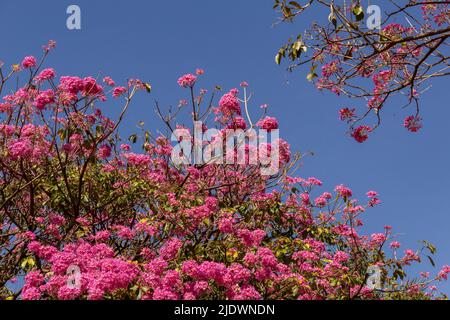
[88,214]
[372,52]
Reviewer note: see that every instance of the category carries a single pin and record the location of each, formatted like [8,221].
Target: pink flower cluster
[88,86]
[413,123]
[229,104]
[45,75]
[138,226]
[29,62]
[101,273]
[44,98]
[347,114]
[187,81]
[361,133]
[268,123]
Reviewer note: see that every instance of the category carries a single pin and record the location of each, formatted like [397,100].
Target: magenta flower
[188,80]
[29,62]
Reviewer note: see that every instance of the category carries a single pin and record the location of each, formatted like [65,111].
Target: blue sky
[233,41]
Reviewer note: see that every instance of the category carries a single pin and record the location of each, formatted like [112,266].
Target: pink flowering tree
[85,214]
[372,53]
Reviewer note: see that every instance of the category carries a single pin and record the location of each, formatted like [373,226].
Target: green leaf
[349,54]
[286,11]
[62,134]
[358,12]
[431,261]
[430,247]
[280,54]
[276,4]
[278,58]
[295,4]
[133,138]
[399,273]
[299,46]
[148,87]
[27,262]
[332,18]
[310,77]
[99,130]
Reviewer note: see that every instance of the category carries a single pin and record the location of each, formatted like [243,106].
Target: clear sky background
[235,40]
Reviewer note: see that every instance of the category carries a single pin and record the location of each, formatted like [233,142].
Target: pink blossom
[246,292]
[343,191]
[102,236]
[91,87]
[137,159]
[46,74]
[378,238]
[182,103]
[268,123]
[29,62]
[118,91]
[104,152]
[238,123]
[51,45]
[229,104]
[395,244]
[30,293]
[109,81]
[44,98]
[284,149]
[188,80]
[347,114]
[226,224]
[72,85]
[251,238]
[410,255]
[372,194]
[124,232]
[443,274]
[413,123]
[320,201]
[360,134]
[21,148]
[170,249]
[331,68]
